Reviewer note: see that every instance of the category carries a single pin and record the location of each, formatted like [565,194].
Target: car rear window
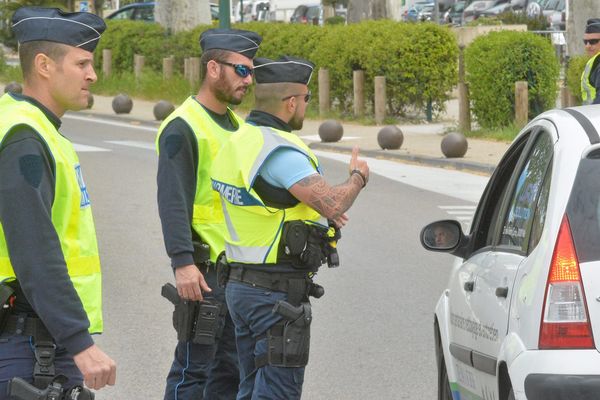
[583,209]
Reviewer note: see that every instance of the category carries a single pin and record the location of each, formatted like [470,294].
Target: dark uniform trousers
[206,372]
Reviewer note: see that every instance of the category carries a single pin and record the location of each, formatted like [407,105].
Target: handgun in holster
[198,321]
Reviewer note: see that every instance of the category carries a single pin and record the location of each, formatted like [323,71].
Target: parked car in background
[454,14]
[426,13]
[413,13]
[474,10]
[496,10]
[520,316]
[145,12]
[556,14]
[308,14]
[254,10]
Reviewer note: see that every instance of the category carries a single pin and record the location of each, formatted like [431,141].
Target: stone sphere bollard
[390,137]
[454,145]
[331,131]
[122,104]
[90,103]
[163,109]
[13,87]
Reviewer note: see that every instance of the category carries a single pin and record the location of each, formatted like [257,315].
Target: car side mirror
[444,236]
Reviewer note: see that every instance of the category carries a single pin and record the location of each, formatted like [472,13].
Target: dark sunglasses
[307,96]
[240,69]
[590,41]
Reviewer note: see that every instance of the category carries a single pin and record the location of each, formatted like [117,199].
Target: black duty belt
[278,281]
[27,326]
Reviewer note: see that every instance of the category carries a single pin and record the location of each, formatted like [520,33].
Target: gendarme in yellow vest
[588,91]
[254,228]
[207,218]
[71,210]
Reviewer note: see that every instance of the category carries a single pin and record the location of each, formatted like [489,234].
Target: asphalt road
[372,334]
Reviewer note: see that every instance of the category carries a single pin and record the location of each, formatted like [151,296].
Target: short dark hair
[28,51]
[217,55]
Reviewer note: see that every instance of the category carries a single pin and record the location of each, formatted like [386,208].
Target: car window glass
[522,205]
[486,217]
[125,14]
[540,212]
[145,14]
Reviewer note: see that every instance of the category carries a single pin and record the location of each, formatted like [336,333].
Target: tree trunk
[579,12]
[182,15]
[359,10]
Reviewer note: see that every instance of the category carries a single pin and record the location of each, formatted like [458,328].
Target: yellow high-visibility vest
[254,228]
[71,210]
[588,91]
[207,217]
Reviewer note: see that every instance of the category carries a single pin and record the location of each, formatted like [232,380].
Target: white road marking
[109,122]
[133,143]
[84,148]
[457,184]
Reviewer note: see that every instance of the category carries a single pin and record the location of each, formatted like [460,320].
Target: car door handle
[502,291]
[469,286]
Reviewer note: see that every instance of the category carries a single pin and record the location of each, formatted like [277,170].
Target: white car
[520,318]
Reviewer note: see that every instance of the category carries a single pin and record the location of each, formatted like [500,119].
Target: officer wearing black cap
[590,79]
[49,263]
[205,362]
[273,196]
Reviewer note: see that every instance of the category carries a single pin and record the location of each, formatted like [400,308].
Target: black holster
[288,341]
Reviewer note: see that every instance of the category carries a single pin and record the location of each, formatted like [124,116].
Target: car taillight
[565,323]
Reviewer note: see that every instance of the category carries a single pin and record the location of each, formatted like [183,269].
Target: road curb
[469,166]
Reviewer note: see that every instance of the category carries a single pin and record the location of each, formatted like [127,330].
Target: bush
[496,61]
[337,20]
[484,21]
[574,72]
[126,38]
[539,23]
[418,60]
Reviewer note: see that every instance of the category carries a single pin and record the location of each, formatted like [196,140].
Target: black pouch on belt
[301,245]
[210,321]
[6,293]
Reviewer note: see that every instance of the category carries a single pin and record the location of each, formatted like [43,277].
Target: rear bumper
[562,387]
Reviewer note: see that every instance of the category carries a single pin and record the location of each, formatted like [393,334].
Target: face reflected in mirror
[442,235]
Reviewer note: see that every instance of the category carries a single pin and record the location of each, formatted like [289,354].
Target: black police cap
[593,25]
[239,41]
[80,29]
[283,70]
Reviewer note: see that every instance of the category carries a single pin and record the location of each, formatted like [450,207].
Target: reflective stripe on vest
[254,228]
[588,91]
[71,210]
[207,217]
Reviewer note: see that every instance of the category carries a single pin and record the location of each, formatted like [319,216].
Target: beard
[296,122]
[225,92]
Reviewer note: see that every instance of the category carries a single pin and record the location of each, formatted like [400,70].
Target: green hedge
[494,63]
[574,71]
[418,60]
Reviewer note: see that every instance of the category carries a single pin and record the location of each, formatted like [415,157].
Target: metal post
[225,14]
[242,11]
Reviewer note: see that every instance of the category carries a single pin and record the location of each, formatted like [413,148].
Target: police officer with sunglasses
[205,365]
[590,79]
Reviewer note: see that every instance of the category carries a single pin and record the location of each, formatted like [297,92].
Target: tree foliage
[496,61]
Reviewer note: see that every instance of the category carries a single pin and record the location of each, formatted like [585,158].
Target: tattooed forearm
[330,201]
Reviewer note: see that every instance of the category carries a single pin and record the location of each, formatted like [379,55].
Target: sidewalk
[422,142]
